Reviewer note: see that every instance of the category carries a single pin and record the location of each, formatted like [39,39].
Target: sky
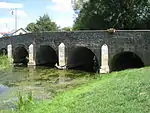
[60,11]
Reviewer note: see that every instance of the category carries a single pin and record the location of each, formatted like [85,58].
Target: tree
[44,23]
[78,4]
[119,14]
[31,27]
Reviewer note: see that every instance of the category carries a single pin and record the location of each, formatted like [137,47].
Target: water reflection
[43,82]
[3,88]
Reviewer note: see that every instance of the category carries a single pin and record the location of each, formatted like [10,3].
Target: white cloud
[64,2]
[20,13]
[8,24]
[5,27]
[7,5]
[6,20]
[61,5]
[59,8]
[64,22]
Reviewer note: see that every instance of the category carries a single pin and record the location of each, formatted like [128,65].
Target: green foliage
[78,4]
[32,27]
[24,100]
[44,23]
[4,63]
[118,92]
[118,14]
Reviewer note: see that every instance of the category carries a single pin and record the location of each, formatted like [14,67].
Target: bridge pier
[61,55]
[10,54]
[104,59]
[32,55]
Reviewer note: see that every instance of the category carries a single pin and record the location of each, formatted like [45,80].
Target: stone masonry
[136,41]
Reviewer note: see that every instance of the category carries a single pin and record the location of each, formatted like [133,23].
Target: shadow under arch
[46,56]
[125,60]
[3,51]
[20,55]
[82,58]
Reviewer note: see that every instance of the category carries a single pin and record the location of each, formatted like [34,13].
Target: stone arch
[125,60]
[82,58]
[46,56]
[3,51]
[20,55]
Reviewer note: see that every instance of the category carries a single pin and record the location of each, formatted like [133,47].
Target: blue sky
[28,11]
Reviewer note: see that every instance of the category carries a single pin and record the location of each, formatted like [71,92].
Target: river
[43,82]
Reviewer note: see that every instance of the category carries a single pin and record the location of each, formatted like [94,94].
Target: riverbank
[44,83]
[118,92]
[4,63]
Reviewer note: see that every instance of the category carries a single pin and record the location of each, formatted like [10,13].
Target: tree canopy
[118,14]
[78,4]
[44,23]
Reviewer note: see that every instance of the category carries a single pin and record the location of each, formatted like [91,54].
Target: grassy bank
[4,63]
[119,92]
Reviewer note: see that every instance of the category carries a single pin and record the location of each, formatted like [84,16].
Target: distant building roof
[11,33]
[19,30]
[7,35]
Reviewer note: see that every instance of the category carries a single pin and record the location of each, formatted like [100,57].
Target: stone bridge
[83,50]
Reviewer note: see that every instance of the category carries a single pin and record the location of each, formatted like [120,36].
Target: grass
[24,100]
[4,63]
[118,92]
